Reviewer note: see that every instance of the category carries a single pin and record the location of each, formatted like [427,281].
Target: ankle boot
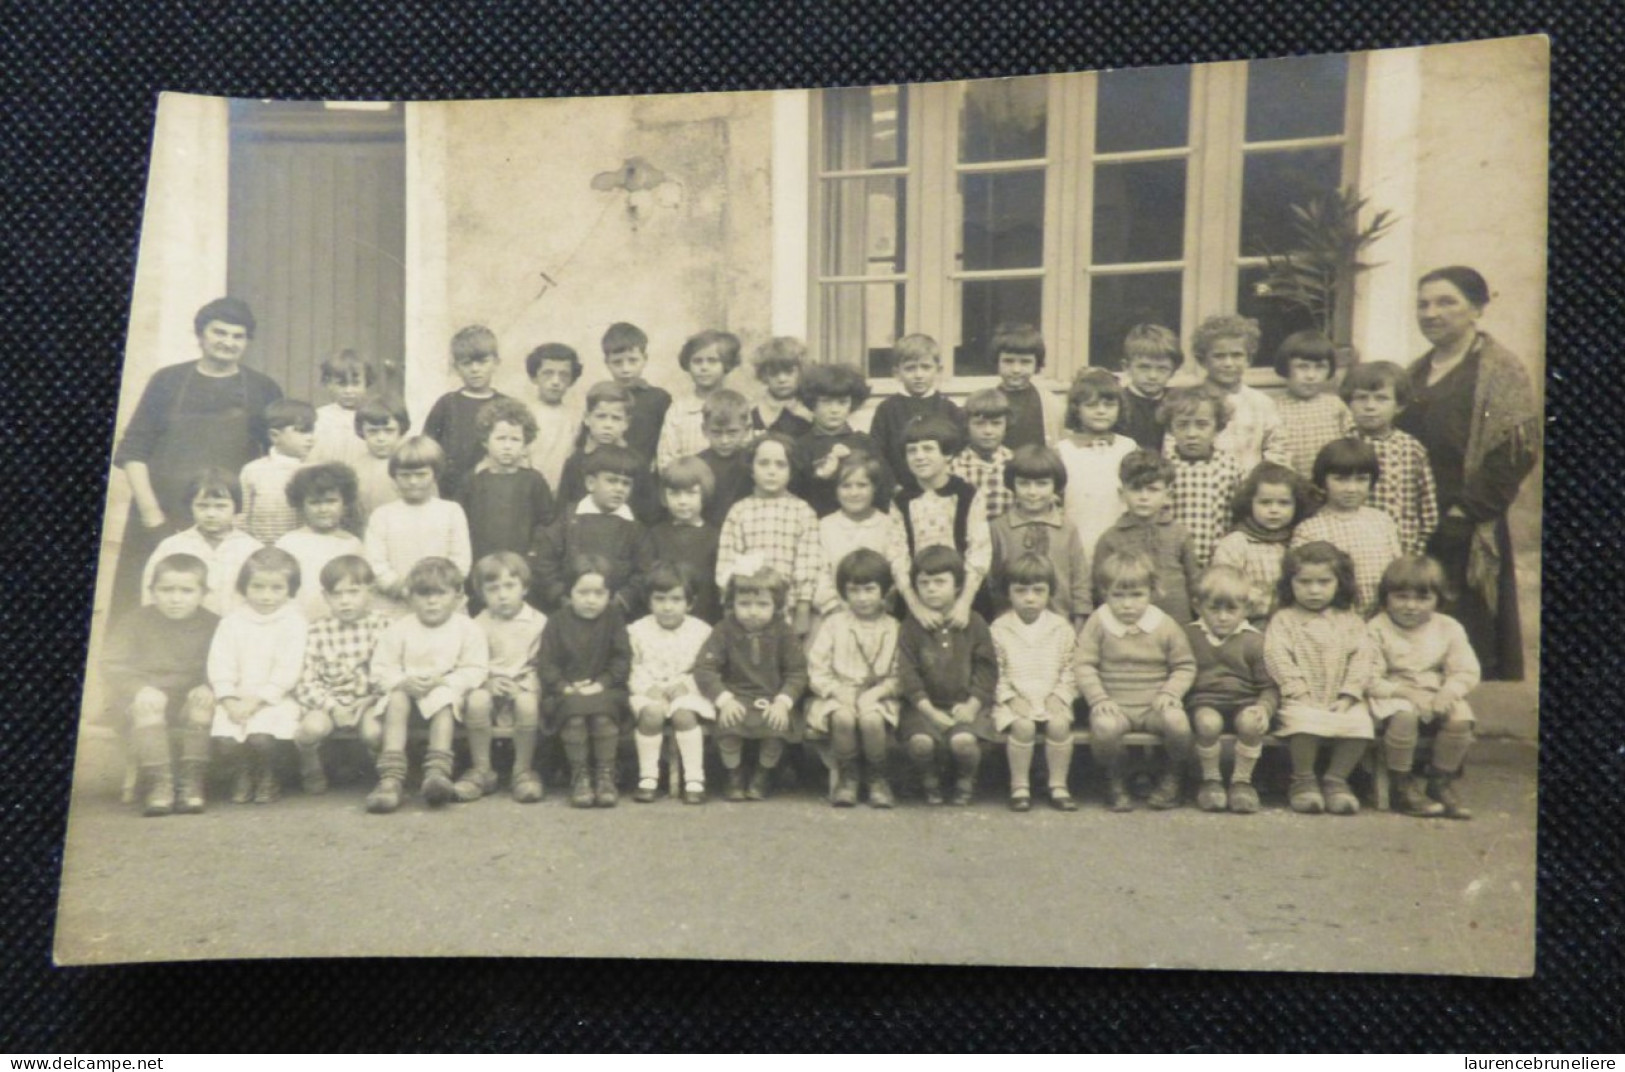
[437,787]
[386,795]
[880,794]
[1413,796]
[603,790]
[846,784]
[312,776]
[760,783]
[160,796]
[581,795]
[189,796]
[1442,787]
[736,785]
[1117,794]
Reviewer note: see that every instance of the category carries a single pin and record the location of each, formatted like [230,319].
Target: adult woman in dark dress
[1474,409]
[208,412]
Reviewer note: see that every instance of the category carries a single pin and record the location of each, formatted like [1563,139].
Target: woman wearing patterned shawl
[1479,417]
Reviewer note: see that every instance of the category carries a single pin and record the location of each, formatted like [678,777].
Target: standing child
[428,662]
[336,688]
[1252,432]
[380,424]
[1036,414]
[685,538]
[267,513]
[1270,502]
[941,510]
[947,676]
[1428,668]
[1345,472]
[606,424]
[774,527]
[454,420]
[324,495]
[1134,668]
[254,665]
[1038,525]
[852,668]
[349,380]
[1035,685]
[156,671]
[507,502]
[583,663]
[707,358]
[215,498]
[832,393]
[1093,453]
[981,464]
[511,694]
[727,433]
[626,353]
[1233,689]
[553,369]
[1148,527]
[1312,414]
[919,363]
[1321,655]
[600,524]
[1151,356]
[418,525]
[777,364]
[1378,393]
[754,670]
[666,644]
[857,524]
[1205,478]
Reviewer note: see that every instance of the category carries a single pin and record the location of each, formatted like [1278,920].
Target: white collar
[1245,626]
[587,506]
[1149,622]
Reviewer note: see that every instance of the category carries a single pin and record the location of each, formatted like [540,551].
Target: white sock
[691,749]
[1021,762]
[648,756]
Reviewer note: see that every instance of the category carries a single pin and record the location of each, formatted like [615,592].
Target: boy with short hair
[1151,356]
[946,676]
[267,513]
[626,353]
[941,509]
[777,364]
[600,524]
[553,368]
[1233,689]
[454,420]
[335,689]
[919,364]
[156,673]
[981,464]
[727,431]
[348,379]
[380,424]
[1148,527]
[606,423]
[1036,413]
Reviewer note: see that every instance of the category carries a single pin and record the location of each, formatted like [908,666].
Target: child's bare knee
[684,720]
[314,728]
[1402,726]
[372,733]
[1106,726]
[964,747]
[1208,724]
[651,721]
[1058,730]
[921,747]
[527,713]
[1022,731]
[872,722]
[1173,725]
[843,718]
[1251,727]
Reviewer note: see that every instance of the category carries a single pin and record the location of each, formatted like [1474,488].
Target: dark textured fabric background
[80,83]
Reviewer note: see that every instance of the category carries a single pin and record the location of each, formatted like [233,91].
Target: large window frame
[1212,261]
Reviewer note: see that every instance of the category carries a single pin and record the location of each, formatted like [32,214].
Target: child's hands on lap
[1163,702]
[730,712]
[588,688]
[1057,708]
[964,713]
[1342,703]
[1021,708]
[1440,703]
[778,714]
[240,708]
[1107,709]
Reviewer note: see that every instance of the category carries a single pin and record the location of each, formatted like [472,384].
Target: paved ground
[795,879]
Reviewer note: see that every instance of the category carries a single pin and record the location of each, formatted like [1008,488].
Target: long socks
[1208,756]
[691,750]
[648,746]
[1020,754]
[1346,755]
[1058,755]
[1246,759]
[1450,747]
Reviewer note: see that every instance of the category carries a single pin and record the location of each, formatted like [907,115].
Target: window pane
[865,127]
[1004,119]
[985,304]
[1271,184]
[1118,302]
[1003,225]
[1276,320]
[863,226]
[1139,212]
[858,323]
[1143,109]
[1296,98]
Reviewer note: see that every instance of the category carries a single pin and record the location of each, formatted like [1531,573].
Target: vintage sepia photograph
[1083,519]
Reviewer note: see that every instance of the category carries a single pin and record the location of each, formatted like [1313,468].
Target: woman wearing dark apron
[208,412]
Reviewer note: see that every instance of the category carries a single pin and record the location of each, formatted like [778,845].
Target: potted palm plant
[1330,244]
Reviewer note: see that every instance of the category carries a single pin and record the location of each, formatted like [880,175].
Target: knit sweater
[455,651]
[1230,672]
[148,650]
[267,513]
[1132,664]
[1169,547]
[402,534]
[453,423]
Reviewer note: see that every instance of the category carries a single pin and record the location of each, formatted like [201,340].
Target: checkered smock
[1367,535]
[336,663]
[1317,657]
[1202,494]
[1307,424]
[987,476]
[1405,488]
[1260,562]
[783,530]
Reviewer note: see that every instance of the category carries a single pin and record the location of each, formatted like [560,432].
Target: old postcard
[1083,519]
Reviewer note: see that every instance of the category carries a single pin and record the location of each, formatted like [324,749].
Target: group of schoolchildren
[1180,562]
